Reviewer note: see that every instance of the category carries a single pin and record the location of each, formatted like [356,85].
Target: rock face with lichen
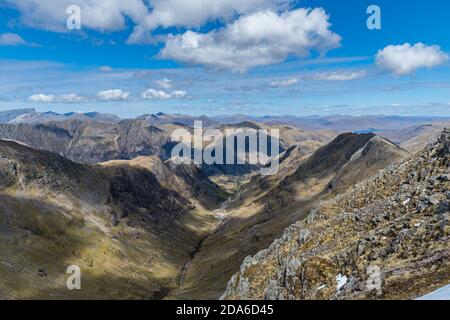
[388,237]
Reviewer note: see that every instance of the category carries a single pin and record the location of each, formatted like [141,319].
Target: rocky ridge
[386,238]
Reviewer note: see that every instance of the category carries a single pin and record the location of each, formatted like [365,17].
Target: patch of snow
[440,294]
[341,280]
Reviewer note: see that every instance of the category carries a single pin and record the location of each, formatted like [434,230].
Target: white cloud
[283,83]
[113,95]
[40,97]
[96,14]
[194,13]
[338,75]
[105,69]
[262,38]
[11,39]
[406,59]
[70,98]
[152,94]
[64,98]
[261,35]
[179,94]
[164,83]
[146,15]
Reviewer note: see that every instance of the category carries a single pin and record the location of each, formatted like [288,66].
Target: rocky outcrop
[386,238]
[8,172]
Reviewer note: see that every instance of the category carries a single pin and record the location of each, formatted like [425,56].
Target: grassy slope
[57,214]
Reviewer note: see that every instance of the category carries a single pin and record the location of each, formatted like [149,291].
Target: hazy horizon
[127,115]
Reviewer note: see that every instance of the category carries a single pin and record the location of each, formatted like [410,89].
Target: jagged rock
[435,199]
[8,172]
[304,236]
[311,216]
[273,291]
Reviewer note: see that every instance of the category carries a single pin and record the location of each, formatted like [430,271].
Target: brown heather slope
[397,221]
[128,231]
[266,206]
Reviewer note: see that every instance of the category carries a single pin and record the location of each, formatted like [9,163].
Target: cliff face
[386,238]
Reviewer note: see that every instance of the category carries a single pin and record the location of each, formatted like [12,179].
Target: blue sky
[306,57]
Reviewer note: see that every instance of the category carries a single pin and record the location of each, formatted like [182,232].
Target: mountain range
[104,194]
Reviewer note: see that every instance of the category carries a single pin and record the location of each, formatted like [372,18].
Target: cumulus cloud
[146,15]
[50,98]
[406,59]
[96,14]
[179,94]
[164,83]
[339,75]
[264,32]
[113,95]
[194,13]
[152,94]
[40,97]
[105,69]
[257,39]
[283,83]
[11,39]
